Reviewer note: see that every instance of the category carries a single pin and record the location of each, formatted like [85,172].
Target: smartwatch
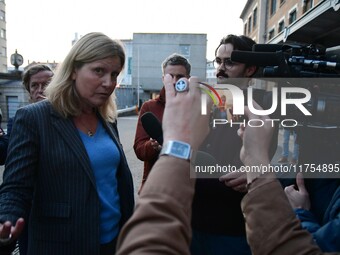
[177,149]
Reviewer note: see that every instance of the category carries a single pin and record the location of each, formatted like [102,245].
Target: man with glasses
[225,67]
[217,219]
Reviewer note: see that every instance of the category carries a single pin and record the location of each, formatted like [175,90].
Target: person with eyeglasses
[217,220]
[225,67]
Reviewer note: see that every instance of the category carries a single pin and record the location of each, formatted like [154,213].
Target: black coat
[48,175]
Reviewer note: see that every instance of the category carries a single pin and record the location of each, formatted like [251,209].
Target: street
[127,130]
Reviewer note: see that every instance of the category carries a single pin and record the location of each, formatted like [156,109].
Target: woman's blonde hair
[62,93]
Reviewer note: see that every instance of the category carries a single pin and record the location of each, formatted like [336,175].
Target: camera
[310,68]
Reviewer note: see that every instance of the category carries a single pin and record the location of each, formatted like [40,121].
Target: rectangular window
[3,33]
[184,49]
[245,29]
[281,26]
[12,105]
[2,15]
[271,34]
[292,16]
[4,52]
[273,7]
[307,5]
[129,65]
[254,17]
[249,27]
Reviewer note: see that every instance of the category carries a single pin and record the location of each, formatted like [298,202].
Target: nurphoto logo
[239,102]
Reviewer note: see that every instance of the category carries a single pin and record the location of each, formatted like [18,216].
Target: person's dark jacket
[49,171]
[325,226]
[3,148]
[142,144]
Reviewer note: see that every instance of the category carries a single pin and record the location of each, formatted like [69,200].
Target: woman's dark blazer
[48,174]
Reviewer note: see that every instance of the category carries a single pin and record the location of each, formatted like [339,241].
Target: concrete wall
[149,51]
[3,40]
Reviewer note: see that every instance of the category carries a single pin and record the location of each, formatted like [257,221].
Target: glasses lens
[228,63]
[217,63]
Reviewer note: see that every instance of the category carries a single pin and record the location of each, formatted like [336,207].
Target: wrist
[256,169]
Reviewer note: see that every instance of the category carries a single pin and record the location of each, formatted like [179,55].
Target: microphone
[266,47]
[256,58]
[152,126]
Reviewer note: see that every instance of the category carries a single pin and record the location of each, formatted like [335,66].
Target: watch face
[177,149]
[180,149]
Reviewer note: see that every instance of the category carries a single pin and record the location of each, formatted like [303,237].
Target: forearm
[272,227]
[163,212]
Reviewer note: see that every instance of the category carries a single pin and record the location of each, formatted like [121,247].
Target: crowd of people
[67,187]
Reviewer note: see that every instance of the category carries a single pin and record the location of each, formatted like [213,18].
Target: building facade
[211,73]
[3,38]
[305,21]
[150,50]
[12,95]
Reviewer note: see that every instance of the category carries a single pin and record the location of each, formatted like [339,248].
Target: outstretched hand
[298,198]
[10,233]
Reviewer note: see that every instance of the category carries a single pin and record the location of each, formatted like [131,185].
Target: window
[254,17]
[292,16]
[249,26]
[2,15]
[4,51]
[245,29]
[307,5]
[3,33]
[129,65]
[12,105]
[271,34]
[272,7]
[281,26]
[184,49]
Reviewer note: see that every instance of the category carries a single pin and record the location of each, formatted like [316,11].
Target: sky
[42,30]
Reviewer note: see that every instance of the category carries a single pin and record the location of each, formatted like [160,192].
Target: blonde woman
[65,157]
